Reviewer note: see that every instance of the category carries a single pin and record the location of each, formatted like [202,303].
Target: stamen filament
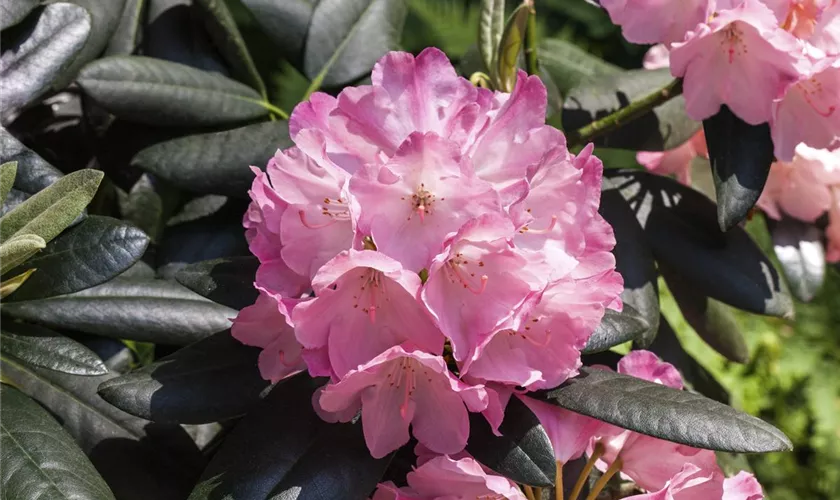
[558,482]
[605,478]
[546,230]
[466,283]
[308,225]
[597,452]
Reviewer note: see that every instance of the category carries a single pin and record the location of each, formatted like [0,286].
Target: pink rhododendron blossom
[741,59]
[405,386]
[657,57]
[690,483]
[799,17]
[445,478]
[808,112]
[677,161]
[569,432]
[742,486]
[265,325]
[655,21]
[801,189]
[826,35]
[365,303]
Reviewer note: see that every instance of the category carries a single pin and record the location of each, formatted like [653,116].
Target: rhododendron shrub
[410,278]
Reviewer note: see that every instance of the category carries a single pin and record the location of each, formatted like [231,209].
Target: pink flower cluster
[424,245]
[775,61]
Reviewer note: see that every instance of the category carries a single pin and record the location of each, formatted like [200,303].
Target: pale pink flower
[741,58]
[808,112]
[657,57]
[424,192]
[676,161]
[569,432]
[405,386]
[826,36]
[691,483]
[265,325]
[742,486]
[365,303]
[802,188]
[445,478]
[799,17]
[657,21]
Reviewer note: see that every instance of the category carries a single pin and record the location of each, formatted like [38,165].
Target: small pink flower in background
[742,486]
[691,483]
[798,17]
[655,21]
[801,189]
[741,58]
[447,478]
[405,386]
[826,36]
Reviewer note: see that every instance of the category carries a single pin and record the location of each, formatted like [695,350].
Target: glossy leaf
[660,411]
[616,328]
[158,92]
[740,155]
[681,227]
[666,127]
[104,18]
[799,247]
[88,254]
[507,57]
[139,460]
[145,310]
[30,64]
[174,32]
[40,460]
[346,37]
[45,348]
[217,163]
[14,11]
[214,379]
[18,250]
[522,453]
[712,320]
[491,25]
[228,40]
[228,281]
[51,210]
[571,66]
[286,23]
[33,173]
[127,34]
[8,171]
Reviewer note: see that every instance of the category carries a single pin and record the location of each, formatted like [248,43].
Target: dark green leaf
[34,173]
[616,328]
[227,39]
[46,45]
[798,246]
[491,25]
[228,281]
[104,18]
[174,33]
[218,162]
[40,460]
[138,459]
[741,155]
[214,379]
[681,227]
[286,23]
[8,170]
[144,205]
[13,11]
[86,255]
[522,453]
[346,37]
[202,239]
[712,320]
[265,445]
[660,411]
[52,209]
[158,92]
[667,346]
[666,127]
[45,348]
[149,311]
[126,36]
[571,66]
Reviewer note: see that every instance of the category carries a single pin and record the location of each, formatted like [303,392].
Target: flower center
[528,334]
[802,17]
[371,289]
[404,376]
[460,273]
[422,202]
[733,41]
[813,93]
[527,230]
[336,209]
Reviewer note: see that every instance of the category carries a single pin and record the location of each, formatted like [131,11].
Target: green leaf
[104,18]
[666,127]
[45,348]
[662,412]
[799,247]
[14,11]
[282,449]
[139,460]
[491,25]
[228,281]
[217,163]
[174,32]
[346,37]
[33,173]
[711,319]
[127,35]
[40,460]
[17,250]
[157,92]
[741,155]
[228,40]
[570,66]
[616,328]
[9,286]
[507,57]
[30,64]
[145,310]
[286,23]
[51,210]
[523,452]
[214,379]
[7,179]
[681,227]
[144,205]
[88,254]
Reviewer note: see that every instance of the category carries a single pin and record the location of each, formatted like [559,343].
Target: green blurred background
[792,379]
